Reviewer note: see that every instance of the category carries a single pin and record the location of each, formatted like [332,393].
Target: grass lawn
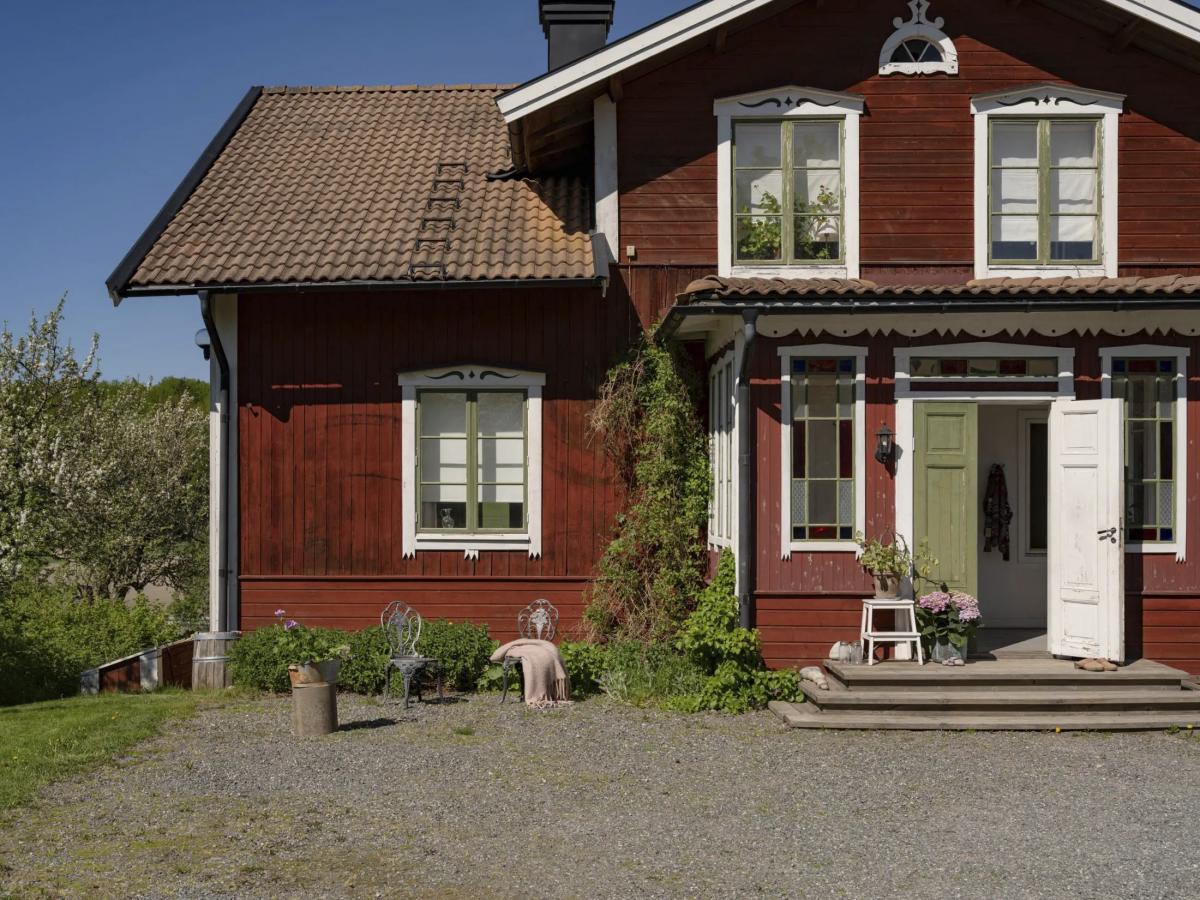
[42,742]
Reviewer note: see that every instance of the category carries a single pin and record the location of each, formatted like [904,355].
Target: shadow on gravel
[368,725]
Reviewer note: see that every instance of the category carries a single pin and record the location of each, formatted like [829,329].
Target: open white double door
[1086,590]
[1085,540]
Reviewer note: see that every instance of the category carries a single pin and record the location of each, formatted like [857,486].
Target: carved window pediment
[918,46]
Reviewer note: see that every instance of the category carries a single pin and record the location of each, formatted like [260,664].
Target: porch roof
[715,295]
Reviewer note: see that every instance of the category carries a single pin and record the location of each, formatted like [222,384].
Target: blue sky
[106,105]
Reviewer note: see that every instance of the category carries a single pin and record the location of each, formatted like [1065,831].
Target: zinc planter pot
[887,587]
[324,672]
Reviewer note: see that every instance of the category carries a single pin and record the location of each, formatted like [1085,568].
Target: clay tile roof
[714,288]
[369,184]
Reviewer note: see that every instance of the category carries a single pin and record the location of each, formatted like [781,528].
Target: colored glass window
[823,449]
[1148,388]
[984,367]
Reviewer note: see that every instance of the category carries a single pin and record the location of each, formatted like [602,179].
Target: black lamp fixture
[885,444]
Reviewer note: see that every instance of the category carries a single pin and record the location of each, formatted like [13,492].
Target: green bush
[260,659]
[48,637]
[462,648]
[584,663]
[736,679]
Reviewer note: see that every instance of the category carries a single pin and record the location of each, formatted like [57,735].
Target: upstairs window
[788,184]
[788,192]
[1045,191]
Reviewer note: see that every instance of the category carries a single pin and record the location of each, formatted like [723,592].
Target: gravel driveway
[470,800]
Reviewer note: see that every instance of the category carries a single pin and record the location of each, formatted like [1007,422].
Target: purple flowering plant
[301,645]
[948,617]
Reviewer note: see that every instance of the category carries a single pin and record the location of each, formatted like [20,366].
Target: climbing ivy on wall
[647,422]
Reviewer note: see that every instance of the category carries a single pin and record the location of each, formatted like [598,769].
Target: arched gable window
[918,46]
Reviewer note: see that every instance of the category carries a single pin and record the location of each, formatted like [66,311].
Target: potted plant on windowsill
[948,621]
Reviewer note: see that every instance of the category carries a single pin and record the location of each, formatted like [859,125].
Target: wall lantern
[885,444]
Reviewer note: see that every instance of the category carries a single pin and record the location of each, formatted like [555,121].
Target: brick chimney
[574,28]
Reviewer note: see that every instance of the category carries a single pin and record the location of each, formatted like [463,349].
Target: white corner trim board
[919,27]
[471,377]
[698,20]
[1045,100]
[608,206]
[786,355]
[789,102]
[1181,356]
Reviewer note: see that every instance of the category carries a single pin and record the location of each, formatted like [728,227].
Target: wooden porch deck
[998,695]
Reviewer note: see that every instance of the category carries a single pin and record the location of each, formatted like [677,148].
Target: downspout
[222,624]
[746,466]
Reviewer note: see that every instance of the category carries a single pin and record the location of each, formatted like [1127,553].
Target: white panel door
[1086,540]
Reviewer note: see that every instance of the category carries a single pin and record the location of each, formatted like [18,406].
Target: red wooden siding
[917,135]
[320,468]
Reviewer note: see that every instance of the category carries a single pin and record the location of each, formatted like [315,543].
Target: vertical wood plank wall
[320,424]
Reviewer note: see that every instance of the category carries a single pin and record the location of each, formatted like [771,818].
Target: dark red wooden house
[974,225]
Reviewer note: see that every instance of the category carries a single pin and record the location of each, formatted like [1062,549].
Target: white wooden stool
[905,631]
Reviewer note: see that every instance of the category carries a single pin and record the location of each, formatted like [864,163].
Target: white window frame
[919,26]
[471,377]
[1049,101]
[812,351]
[723,451]
[1181,356]
[789,102]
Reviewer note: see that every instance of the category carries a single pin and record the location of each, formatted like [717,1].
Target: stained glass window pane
[1150,407]
[823,448]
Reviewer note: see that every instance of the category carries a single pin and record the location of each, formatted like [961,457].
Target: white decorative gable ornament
[918,46]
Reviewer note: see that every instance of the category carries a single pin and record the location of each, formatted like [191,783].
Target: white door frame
[906,397]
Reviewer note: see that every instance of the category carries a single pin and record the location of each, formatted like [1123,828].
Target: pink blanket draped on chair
[546,680]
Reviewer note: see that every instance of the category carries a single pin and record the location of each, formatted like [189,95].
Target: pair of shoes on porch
[1095,665]
[954,661]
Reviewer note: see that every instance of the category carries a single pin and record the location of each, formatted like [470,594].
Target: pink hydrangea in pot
[948,620]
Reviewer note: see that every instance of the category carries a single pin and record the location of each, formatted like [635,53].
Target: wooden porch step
[1006,699]
[806,715]
[1031,673]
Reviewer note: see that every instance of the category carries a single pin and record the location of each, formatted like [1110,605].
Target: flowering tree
[45,392]
[99,488]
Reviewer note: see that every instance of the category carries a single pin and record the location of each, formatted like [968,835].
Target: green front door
[946,490]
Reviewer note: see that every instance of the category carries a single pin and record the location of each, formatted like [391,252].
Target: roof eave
[118,282]
[706,304]
[177,290]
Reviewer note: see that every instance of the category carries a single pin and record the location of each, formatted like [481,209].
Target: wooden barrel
[210,660]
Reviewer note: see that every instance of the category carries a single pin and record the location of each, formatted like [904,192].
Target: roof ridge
[382,88]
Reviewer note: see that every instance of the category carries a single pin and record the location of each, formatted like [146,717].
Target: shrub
[584,663]
[646,418]
[731,657]
[462,648]
[48,637]
[260,659]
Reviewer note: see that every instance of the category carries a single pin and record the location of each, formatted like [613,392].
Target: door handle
[1110,533]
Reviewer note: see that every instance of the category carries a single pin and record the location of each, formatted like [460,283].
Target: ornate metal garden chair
[402,625]
[536,622]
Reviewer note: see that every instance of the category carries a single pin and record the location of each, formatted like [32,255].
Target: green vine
[653,570]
